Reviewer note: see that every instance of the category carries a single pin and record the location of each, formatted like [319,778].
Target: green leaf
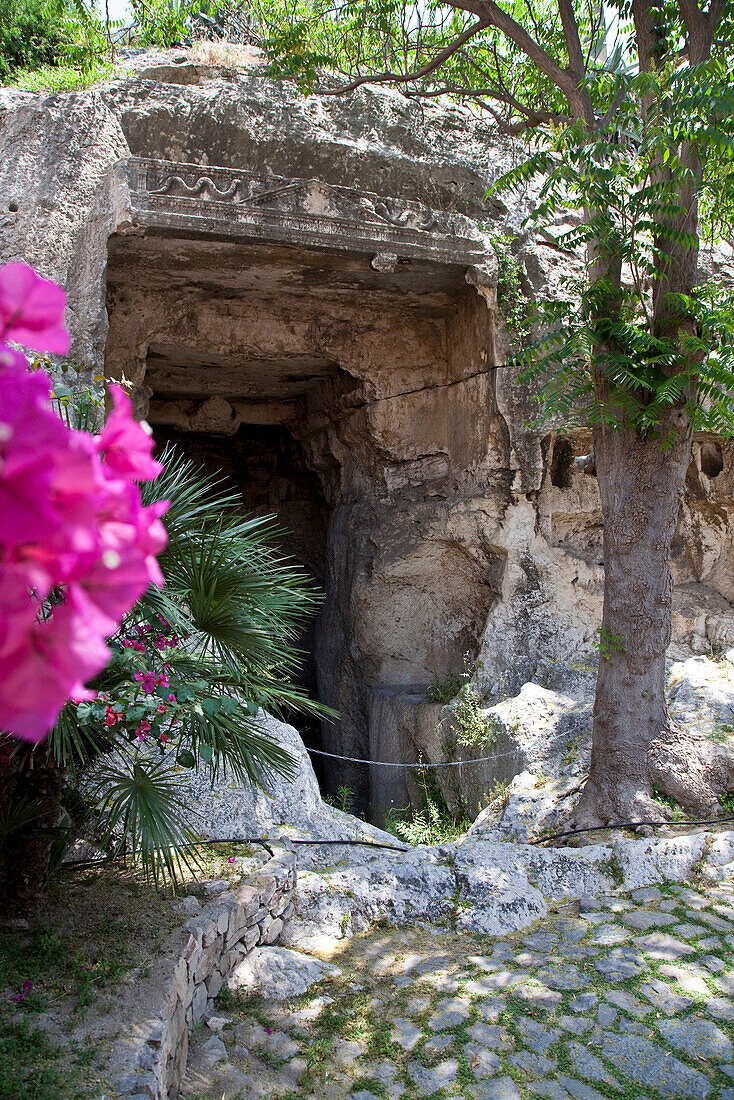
[186,759]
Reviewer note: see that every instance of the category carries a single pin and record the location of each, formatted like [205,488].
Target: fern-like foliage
[625,345]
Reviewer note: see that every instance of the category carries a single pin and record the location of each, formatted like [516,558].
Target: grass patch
[59,78]
[93,930]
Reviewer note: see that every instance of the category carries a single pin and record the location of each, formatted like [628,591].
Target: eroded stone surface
[334,349]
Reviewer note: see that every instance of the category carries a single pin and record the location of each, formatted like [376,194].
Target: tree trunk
[31,784]
[641,485]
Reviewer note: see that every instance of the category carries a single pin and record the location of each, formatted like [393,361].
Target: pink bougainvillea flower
[32,310]
[142,729]
[163,737]
[125,444]
[71,521]
[30,436]
[49,662]
[147,679]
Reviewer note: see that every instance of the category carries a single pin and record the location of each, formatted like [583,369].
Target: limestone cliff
[302,291]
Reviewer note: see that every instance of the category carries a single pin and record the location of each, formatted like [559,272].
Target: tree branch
[699,30]
[496,17]
[647,40]
[573,42]
[416,74]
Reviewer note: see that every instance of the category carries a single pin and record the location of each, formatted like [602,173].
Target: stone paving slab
[638,1004]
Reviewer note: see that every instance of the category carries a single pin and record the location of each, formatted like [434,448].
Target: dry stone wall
[215,941]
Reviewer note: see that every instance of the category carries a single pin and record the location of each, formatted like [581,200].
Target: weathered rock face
[301,292]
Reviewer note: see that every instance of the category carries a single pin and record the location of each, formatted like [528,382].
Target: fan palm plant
[192,664]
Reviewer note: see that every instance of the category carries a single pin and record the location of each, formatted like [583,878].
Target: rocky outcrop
[303,292]
[493,880]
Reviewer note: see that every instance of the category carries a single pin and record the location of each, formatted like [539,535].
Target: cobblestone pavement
[634,999]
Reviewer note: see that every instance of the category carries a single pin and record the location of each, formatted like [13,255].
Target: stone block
[266,886]
[138,1084]
[214,983]
[206,963]
[252,935]
[209,932]
[198,1004]
[192,941]
[280,905]
[249,898]
[149,1059]
[276,927]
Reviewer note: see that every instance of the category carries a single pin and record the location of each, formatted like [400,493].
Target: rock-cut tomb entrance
[334,354]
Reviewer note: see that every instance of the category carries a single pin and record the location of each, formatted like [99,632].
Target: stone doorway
[352,393]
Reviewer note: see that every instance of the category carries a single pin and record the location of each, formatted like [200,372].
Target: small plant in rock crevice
[721,732]
[511,298]
[446,689]
[613,868]
[432,823]
[727,802]
[473,728]
[664,800]
[500,793]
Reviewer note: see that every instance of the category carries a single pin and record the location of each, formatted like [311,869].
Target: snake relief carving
[203,183]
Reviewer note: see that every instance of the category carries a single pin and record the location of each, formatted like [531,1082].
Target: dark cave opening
[267,466]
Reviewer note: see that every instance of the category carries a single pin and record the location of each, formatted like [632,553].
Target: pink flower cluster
[77,547]
[150,681]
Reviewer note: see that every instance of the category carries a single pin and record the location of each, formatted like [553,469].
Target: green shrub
[61,78]
[168,23]
[31,35]
[431,823]
[40,36]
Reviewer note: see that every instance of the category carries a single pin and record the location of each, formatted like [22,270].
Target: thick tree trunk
[641,484]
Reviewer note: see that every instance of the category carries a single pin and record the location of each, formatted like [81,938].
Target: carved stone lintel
[192,198]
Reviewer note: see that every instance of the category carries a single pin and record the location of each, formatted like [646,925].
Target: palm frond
[138,799]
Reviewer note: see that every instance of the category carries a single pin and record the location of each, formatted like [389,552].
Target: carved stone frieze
[205,199]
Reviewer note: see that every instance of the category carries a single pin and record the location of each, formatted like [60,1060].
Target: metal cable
[264,841]
[392,764]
